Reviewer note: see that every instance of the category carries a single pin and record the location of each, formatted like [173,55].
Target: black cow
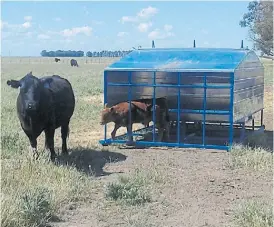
[44,104]
[73,62]
[57,59]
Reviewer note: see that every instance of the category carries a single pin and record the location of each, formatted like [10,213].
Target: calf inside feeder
[210,95]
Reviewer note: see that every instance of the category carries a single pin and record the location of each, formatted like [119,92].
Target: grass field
[125,187]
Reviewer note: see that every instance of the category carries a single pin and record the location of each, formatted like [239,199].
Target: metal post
[178,108]
[242,44]
[253,124]
[204,108]
[194,44]
[129,134]
[105,98]
[262,117]
[242,136]
[154,102]
[231,109]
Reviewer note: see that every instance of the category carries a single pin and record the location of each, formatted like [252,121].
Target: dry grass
[136,188]
[254,214]
[250,158]
[35,192]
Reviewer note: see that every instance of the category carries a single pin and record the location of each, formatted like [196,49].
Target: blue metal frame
[231,110]
[204,112]
[154,102]
[178,109]
[204,109]
[105,100]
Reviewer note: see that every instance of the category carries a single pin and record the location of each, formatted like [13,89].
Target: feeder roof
[183,59]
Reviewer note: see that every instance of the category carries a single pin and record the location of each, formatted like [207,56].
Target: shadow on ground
[90,161]
[266,144]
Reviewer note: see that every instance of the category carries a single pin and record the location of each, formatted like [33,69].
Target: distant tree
[44,53]
[259,20]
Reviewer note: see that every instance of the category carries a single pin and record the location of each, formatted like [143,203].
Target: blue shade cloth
[181,59]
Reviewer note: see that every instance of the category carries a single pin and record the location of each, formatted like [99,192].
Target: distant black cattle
[73,62]
[44,104]
[57,59]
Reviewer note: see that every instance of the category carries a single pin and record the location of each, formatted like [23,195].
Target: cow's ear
[13,83]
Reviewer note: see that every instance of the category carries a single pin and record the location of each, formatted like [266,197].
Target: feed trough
[212,93]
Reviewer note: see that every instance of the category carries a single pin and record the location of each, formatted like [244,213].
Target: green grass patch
[135,188]
[254,214]
[34,192]
[251,158]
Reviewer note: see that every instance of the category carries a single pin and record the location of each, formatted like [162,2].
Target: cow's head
[107,115]
[30,90]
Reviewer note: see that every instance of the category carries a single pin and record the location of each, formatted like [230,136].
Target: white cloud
[57,19]
[168,27]
[128,19]
[142,15]
[143,27]
[78,30]
[147,12]
[28,18]
[26,25]
[122,34]
[43,36]
[158,34]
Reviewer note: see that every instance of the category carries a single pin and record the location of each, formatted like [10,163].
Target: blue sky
[30,27]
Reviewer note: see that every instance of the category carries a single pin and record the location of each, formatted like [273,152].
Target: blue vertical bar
[204,108]
[231,109]
[105,100]
[129,134]
[154,102]
[178,108]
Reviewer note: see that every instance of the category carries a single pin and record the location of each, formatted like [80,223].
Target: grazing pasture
[118,186]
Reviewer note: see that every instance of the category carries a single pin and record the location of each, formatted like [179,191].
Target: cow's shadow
[89,161]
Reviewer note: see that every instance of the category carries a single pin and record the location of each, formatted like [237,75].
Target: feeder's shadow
[266,144]
[89,161]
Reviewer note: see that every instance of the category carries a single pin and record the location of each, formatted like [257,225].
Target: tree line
[71,53]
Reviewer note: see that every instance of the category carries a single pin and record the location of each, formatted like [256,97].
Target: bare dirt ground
[200,189]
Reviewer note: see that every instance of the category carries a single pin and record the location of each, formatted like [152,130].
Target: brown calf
[141,112]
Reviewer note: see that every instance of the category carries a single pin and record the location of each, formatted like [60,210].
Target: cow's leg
[64,134]
[113,133]
[49,142]
[160,132]
[166,132]
[129,131]
[33,144]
